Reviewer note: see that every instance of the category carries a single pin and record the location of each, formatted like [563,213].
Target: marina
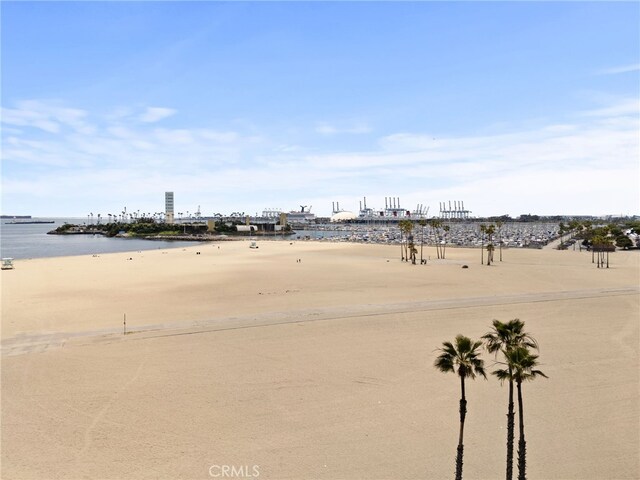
[465,234]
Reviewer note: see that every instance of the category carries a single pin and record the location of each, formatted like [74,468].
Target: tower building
[168,207]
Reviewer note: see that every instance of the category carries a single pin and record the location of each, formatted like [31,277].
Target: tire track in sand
[97,418]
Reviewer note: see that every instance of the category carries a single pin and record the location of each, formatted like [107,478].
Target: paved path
[553,244]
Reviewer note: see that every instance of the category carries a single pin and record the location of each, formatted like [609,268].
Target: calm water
[32,241]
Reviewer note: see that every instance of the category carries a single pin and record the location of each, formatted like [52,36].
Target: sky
[511,107]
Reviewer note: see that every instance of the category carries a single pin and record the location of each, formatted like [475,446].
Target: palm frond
[444,363]
[505,336]
[462,357]
[522,363]
[502,374]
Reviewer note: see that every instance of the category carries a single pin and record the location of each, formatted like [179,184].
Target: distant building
[343,216]
[168,207]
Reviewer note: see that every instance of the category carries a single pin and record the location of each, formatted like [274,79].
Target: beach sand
[319,368]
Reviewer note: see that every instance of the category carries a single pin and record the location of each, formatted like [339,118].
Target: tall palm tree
[601,244]
[463,358]
[445,230]
[483,229]
[490,230]
[521,365]
[406,227]
[401,241]
[423,223]
[504,337]
[561,230]
[490,249]
[435,227]
[499,224]
[412,252]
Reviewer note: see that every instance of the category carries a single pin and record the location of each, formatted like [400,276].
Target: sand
[251,360]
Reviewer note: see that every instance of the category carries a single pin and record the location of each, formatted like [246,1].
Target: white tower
[168,207]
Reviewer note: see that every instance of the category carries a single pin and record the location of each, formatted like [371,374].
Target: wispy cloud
[111,140]
[155,114]
[590,162]
[325,128]
[46,116]
[629,106]
[635,67]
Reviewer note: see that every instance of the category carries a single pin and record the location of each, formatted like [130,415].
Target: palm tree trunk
[421,245]
[510,433]
[463,413]
[522,444]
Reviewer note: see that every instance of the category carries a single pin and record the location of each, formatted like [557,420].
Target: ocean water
[31,241]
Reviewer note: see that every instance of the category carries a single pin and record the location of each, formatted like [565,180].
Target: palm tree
[521,365]
[490,249]
[483,228]
[422,223]
[461,357]
[499,224]
[490,230]
[561,230]
[601,243]
[504,337]
[435,226]
[445,230]
[412,252]
[406,226]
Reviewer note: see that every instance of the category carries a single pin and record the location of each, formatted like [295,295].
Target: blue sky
[511,107]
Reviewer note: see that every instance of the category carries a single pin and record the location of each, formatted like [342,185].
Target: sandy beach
[310,360]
